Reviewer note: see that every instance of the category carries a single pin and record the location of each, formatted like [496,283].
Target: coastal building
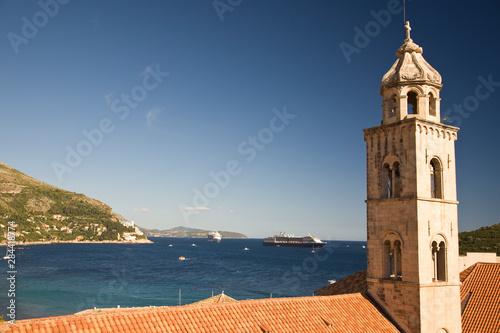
[128,236]
[465,261]
[138,231]
[128,223]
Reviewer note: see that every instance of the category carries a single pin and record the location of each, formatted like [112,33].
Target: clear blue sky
[258,94]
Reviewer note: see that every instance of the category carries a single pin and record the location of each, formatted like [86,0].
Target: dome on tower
[411,67]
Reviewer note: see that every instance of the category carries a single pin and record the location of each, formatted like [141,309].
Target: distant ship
[214,237]
[290,240]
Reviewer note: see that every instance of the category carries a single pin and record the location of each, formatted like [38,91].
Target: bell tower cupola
[411,87]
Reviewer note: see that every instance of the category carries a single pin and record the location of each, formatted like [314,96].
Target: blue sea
[60,279]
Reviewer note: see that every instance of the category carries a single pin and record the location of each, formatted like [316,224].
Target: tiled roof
[221,298]
[355,283]
[341,313]
[480,296]
[466,272]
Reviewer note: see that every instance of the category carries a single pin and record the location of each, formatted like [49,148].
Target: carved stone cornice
[413,124]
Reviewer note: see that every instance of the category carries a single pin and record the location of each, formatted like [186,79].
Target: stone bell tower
[412,200]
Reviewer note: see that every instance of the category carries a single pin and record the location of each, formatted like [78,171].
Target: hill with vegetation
[484,239]
[45,213]
[185,232]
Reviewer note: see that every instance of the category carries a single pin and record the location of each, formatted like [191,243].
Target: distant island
[484,239]
[184,232]
[43,214]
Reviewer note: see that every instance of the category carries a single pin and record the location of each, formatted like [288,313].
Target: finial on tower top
[408,29]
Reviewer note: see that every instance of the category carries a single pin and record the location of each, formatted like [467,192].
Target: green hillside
[185,232]
[44,212]
[485,239]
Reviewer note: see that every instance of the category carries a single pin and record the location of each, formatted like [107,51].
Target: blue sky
[236,115]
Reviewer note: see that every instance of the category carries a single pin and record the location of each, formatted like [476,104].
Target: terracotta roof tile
[341,313]
[355,283]
[480,296]
[466,272]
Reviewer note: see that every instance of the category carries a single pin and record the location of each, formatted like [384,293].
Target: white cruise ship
[214,237]
[284,239]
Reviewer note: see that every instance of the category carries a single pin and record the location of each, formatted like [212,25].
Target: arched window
[391,180]
[392,260]
[412,102]
[387,259]
[398,264]
[390,183]
[432,105]
[396,180]
[439,260]
[392,107]
[386,181]
[436,179]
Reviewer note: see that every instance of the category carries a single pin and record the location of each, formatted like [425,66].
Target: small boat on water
[182,258]
[193,244]
[170,245]
[6,254]
[246,249]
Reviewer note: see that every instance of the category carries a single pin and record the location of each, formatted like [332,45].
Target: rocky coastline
[138,241]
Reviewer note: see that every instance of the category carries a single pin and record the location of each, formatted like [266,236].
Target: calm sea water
[61,279]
